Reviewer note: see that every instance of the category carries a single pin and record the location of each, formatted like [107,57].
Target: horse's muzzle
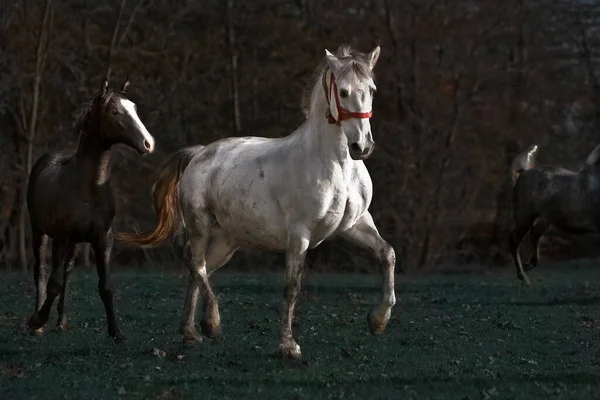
[359,153]
[146,147]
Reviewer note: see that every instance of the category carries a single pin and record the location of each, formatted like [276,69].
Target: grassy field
[466,336]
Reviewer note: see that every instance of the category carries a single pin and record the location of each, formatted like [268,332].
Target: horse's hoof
[211,331]
[63,327]
[120,339]
[290,351]
[36,332]
[376,322]
[34,323]
[191,336]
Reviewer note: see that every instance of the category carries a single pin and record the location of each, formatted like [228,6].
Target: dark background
[463,86]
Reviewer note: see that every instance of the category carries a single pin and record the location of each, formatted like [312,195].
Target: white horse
[285,194]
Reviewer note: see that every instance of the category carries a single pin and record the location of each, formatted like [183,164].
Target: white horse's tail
[166,201]
[522,162]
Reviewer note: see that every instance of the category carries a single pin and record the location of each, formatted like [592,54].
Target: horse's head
[349,87]
[119,120]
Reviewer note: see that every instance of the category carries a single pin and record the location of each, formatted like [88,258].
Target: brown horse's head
[115,119]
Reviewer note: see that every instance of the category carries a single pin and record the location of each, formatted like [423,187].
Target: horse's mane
[354,62]
[85,109]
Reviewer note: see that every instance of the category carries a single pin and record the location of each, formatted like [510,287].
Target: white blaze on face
[129,107]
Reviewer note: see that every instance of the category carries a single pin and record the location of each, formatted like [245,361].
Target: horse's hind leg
[516,237]
[365,234]
[219,252]
[541,226]
[61,251]
[61,307]
[199,230]
[39,244]
[102,249]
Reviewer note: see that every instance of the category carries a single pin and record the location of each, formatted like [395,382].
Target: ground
[458,336]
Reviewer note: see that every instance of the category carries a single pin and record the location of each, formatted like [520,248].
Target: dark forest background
[463,86]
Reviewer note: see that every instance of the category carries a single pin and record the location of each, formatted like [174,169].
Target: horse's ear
[333,62]
[104,87]
[373,57]
[125,85]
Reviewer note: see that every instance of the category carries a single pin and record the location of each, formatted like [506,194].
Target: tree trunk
[40,59]
[234,68]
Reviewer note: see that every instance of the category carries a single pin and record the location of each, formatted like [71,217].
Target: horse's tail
[166,201]
[522,162]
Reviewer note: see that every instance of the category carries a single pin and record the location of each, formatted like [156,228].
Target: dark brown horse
[70,201]
[545,196]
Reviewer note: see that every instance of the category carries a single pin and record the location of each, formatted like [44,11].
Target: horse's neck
[93,158]
[322,139]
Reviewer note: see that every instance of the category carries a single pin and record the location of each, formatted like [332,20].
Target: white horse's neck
[324,140]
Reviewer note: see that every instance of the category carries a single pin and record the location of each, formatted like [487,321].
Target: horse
[70,200]
[546,196]
[284,194]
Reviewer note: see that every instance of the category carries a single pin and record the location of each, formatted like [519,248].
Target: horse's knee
[387,254]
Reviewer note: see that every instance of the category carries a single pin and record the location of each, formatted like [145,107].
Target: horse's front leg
[365,234]
[102,250]
[297,246]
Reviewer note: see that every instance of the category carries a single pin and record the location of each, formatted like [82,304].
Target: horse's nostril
[355,147]
[147,145]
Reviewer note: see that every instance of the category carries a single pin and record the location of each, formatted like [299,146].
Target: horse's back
[49,163]
[557,194]
[45,172]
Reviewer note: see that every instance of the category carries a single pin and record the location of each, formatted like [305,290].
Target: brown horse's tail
[522,162]
[166,201]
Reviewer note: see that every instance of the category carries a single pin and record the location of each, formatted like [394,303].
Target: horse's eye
[343,93]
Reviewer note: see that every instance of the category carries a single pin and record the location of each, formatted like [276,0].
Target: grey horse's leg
[516,237]
[364,233]
[539,229]
[200,235]
[297,246]
[219,252]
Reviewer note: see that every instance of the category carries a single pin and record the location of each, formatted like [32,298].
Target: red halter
[341,111]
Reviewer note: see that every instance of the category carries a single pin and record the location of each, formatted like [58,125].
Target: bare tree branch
[113,40]
[129,23]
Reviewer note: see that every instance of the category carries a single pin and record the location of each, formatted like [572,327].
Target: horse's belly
[250,225]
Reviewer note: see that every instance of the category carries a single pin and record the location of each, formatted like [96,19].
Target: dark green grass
[450,337]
